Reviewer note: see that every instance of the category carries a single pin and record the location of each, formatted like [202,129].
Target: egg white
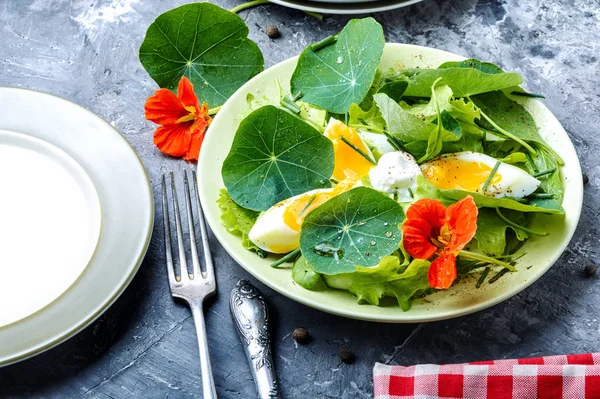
[515,182]
[271,234]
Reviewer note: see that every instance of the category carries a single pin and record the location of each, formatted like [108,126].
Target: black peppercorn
[272,31]
[586,179]
[301,336]
[347,356]
[590,270]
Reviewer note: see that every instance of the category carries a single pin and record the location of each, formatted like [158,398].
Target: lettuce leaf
[387,279]
[491,231]
[237,220]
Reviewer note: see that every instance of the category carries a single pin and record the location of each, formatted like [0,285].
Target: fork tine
[183,270]
[190,218]
[167,222]
[208,262]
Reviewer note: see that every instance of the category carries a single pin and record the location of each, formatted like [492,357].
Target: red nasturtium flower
[183,121]
[431,229]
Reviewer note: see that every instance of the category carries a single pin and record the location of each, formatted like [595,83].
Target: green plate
[461,299]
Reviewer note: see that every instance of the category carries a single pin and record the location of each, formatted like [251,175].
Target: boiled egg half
[469,171]
[277,230]
[348,161]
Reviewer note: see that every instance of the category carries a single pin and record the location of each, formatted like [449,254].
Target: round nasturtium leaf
[338,74]
[205,43]
[356,228]
[275,155]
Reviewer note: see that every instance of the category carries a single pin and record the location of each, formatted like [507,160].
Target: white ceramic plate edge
[117,291]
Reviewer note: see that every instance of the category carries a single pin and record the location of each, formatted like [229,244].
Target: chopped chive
[518,226]
[544,172]
[533,165]
[361,152]
[541,196]
[394,142]
[323,43]
[497,276]
[297,96]
[483,276]
[490,177]
[287,258]
[333,181]
[288,103]
[395,195]
[526,94]
[346,118]
[410,191]
[310,201]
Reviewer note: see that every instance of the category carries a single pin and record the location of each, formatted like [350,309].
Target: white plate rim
[224,236]
[143,242]
[354,8]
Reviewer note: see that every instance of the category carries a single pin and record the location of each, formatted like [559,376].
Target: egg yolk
[348,162]
[452,173]
[294,214]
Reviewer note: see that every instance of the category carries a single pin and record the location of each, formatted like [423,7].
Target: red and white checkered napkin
[564,377]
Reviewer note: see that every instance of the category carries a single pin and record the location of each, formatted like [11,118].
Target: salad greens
[356,228]
[349,233]
[237,220]
[205,43]
[337,72]
[388,278]
[275,155]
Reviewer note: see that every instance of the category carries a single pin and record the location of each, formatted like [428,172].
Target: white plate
[345,7]
[541,252]
[76,215]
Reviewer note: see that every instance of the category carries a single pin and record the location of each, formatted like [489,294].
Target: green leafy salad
[389,183]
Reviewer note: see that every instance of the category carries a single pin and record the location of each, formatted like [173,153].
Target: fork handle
[251,318]
[208,383]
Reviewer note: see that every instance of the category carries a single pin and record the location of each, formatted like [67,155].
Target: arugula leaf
[491,231]
[337,73]
[537,205]
[464,82]
[237,220]
[275,155]
[515,157]
[207,44]
[439,102]
[551,183]
[394,89]
[402,124]
[510,116]
[357,227]
[384,280]
[486,67]
[427,190]
[305,276]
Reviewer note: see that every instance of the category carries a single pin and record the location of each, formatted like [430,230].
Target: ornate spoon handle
[251,318]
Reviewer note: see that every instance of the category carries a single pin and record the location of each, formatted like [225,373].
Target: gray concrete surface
[145,347]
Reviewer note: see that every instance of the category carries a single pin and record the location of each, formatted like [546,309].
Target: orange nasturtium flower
[183,121]
[431,229]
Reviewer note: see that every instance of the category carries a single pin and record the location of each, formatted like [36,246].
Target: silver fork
[191,287]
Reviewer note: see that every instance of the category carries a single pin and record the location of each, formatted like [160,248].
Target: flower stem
[518,226]
[493,261]
[249,4]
